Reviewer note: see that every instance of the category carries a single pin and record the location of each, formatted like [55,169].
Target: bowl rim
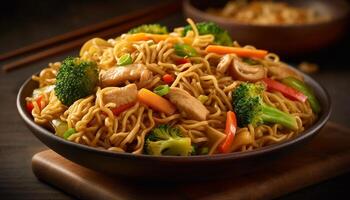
[321,121]
[188,7]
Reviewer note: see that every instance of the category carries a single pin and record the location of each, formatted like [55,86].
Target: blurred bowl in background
[295,39]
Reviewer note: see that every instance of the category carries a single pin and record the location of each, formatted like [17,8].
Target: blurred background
[26,22]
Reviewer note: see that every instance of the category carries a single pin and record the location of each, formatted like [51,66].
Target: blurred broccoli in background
[149,28]
[166,140]
[222,37]
[75,79]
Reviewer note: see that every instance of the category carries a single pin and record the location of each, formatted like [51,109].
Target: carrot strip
[156,37]
[155,101]
[137,37]
[175,40]
[243,52]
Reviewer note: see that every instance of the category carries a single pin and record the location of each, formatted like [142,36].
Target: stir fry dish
[190,91]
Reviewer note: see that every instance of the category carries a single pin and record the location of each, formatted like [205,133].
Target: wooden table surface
[26,22]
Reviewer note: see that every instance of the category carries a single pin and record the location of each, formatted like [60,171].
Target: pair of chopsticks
[74,39]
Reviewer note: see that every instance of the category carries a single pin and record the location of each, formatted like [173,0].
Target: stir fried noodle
[205,74]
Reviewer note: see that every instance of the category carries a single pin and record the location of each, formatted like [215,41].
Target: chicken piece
[118,75]
[187,104]
[120,95]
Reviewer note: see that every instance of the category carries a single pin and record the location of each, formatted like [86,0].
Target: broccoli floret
[197,150]
[222,37]
[250,108]
[166,140]
[75,79]
[149,28]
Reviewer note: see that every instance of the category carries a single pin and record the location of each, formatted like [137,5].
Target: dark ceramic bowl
[281,39]
[169,167]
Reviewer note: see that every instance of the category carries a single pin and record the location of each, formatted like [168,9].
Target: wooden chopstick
[79,32]
[105,29]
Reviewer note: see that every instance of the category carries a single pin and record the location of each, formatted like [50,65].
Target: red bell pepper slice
[182,61]
[287,91]
[230,130]
[122,108]
[168,79]
[30,105]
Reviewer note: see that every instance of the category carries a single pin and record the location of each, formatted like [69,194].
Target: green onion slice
[162,90]
[185,50]
[68,133]
[59,126]
[125,59]
[202,98]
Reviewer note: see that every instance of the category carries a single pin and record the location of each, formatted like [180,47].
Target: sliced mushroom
[281,70]
[224,63]
[245,72]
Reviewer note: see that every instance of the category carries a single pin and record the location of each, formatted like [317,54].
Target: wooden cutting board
[326,156]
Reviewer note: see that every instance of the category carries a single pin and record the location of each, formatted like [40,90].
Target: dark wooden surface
[327,155]
[24,22]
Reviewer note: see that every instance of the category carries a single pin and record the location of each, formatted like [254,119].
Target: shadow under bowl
[146,167]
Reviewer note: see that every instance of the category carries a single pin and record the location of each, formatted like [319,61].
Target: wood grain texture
[326,156]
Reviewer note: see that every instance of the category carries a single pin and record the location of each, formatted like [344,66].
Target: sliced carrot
[187,40]
[155,101]
[138,37]
[243,52]
[156,37]
[175,40]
